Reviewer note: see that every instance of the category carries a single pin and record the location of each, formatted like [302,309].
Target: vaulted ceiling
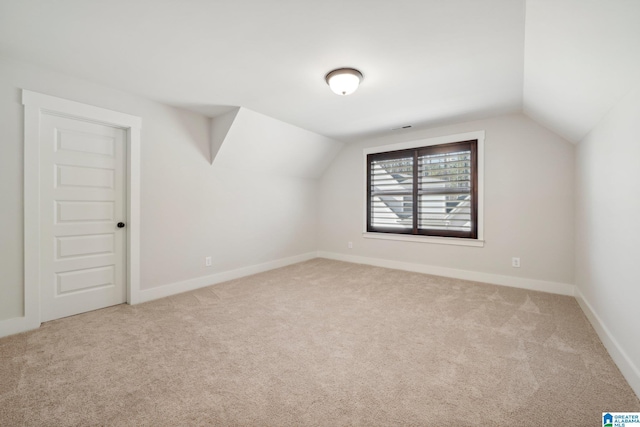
[428,62]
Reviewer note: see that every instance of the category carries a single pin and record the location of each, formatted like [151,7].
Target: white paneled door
[83,216]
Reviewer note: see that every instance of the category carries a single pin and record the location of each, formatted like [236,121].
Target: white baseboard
[17,325]
[200,282]
[496,279]
[22,324]
[627,366]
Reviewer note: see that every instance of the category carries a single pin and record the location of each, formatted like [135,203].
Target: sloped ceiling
[253,142]
[425,62]
[580,58]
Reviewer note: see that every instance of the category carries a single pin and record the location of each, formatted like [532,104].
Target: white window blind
[392,193]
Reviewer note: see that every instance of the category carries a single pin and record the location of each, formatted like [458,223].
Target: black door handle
[121,225]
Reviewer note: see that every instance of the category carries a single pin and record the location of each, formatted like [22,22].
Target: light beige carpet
[318,343]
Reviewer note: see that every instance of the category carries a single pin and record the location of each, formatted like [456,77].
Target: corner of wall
[220,127]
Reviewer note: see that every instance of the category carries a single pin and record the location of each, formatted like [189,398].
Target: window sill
[426,239]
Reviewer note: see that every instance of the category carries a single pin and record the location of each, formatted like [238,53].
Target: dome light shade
[344,81]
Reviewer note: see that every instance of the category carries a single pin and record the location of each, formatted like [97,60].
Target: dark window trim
[471,145]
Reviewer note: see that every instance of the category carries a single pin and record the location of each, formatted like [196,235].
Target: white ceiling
[581,57]
[426,62]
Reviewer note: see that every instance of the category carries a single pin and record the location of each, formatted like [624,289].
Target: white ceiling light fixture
[344,81]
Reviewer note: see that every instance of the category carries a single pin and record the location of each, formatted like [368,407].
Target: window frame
[429,237]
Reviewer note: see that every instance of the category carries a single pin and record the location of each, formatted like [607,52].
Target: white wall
[607,231]
[190,209]
[528,205]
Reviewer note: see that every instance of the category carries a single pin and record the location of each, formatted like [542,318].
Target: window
[428,190]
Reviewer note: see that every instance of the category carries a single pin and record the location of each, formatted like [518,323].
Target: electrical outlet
[350,245]
[207,261]
[515,262]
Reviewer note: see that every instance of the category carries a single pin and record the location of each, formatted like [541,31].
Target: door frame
[35,104]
